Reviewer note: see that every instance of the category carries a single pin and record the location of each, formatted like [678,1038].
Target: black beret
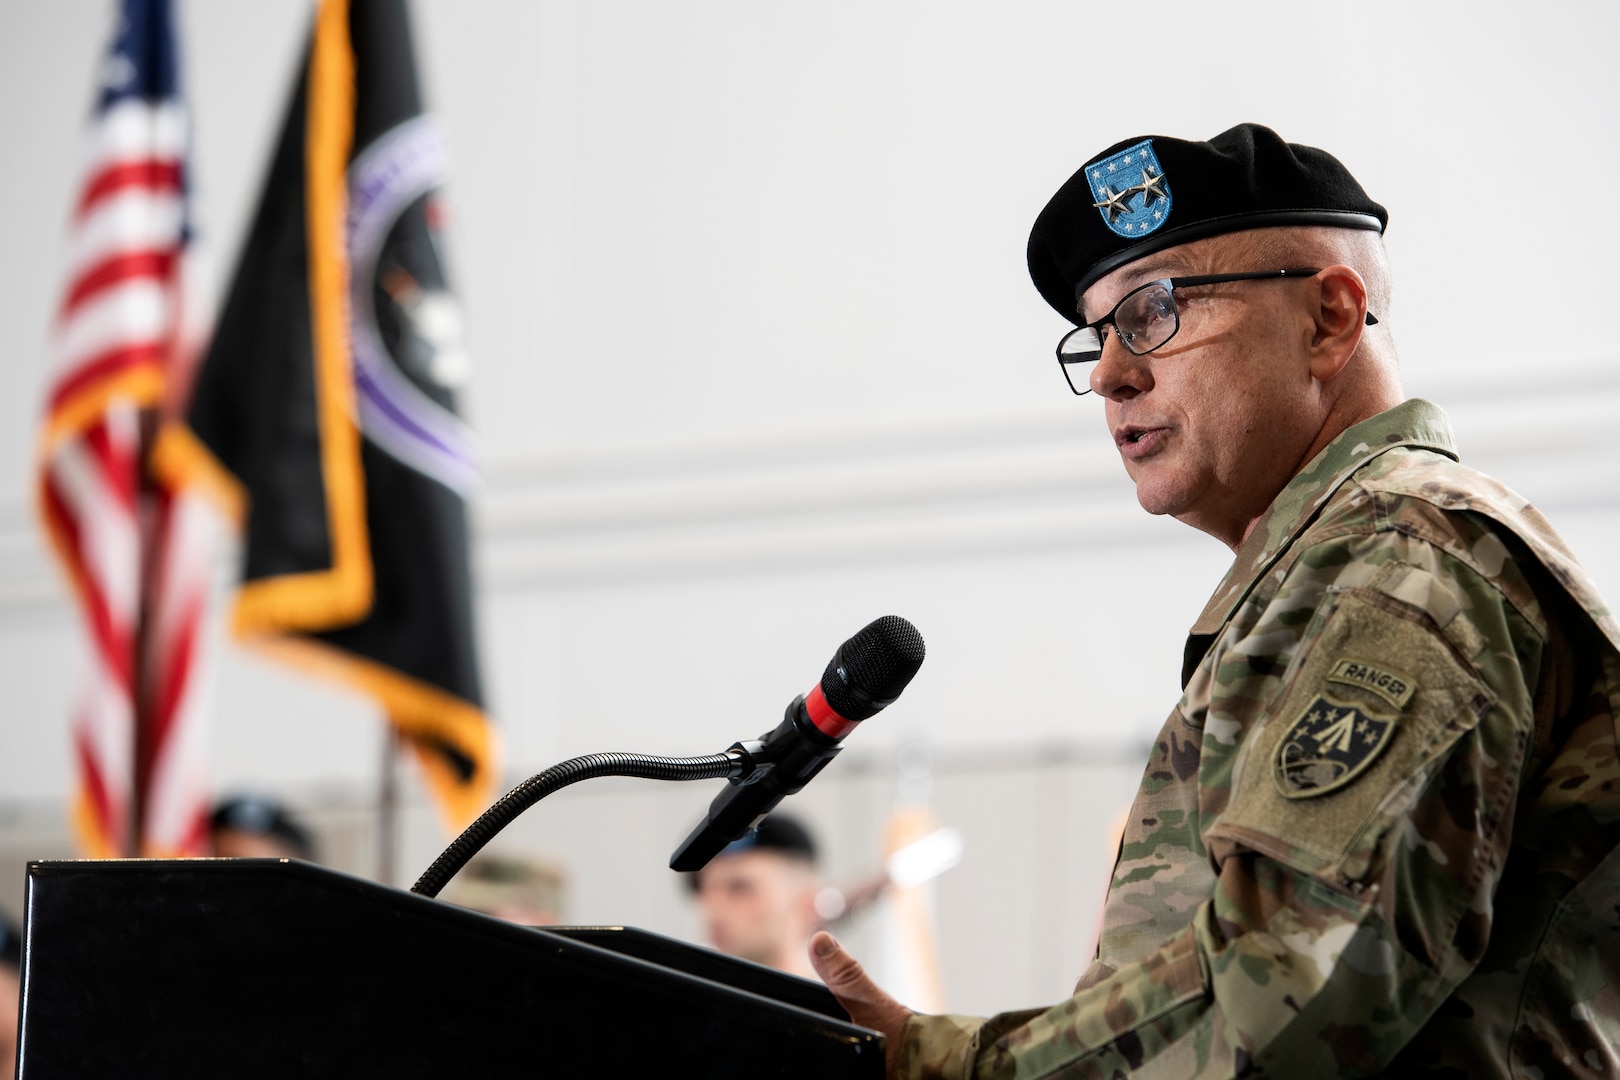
[259,816]
[1152,192]
[778,832]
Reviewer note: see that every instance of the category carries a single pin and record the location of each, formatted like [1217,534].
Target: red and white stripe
[138,555]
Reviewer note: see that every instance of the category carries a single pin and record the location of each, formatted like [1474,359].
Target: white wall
[758,361]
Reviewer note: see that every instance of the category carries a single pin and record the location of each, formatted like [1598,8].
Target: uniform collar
[1415,423]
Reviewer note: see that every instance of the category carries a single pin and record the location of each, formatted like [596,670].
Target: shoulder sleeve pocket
[1377,699]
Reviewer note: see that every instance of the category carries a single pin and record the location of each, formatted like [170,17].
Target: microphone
[866,673]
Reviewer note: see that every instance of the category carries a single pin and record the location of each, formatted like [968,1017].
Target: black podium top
[266,967]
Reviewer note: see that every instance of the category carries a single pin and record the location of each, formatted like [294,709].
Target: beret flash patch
[1130,189]
[1329,745]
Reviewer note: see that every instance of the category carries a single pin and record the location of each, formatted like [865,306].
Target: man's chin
[1156,500]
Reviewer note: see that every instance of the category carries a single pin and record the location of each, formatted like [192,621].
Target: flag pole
[140,688]
[388,806]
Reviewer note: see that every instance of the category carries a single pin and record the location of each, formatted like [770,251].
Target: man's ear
[1339,315]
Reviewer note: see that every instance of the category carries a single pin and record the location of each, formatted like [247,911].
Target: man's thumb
[841,972]
[863,999]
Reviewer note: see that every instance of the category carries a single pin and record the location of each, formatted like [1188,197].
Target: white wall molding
[971,487]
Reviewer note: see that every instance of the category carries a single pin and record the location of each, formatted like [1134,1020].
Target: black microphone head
[870,669]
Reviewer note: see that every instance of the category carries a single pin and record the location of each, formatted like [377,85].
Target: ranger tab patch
[1330,745]
[1385,681]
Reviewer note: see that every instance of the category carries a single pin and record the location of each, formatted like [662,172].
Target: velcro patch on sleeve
[1333,762]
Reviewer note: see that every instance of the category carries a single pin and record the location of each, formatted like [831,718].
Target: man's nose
[1119,374]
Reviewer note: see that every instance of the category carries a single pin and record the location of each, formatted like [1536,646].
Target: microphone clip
[748,761]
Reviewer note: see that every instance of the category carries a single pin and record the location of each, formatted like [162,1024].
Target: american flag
[137,551]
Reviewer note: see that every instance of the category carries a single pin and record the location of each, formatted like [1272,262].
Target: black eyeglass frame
[1170,285]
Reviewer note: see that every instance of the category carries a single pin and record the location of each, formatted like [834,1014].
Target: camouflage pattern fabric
[1378,832]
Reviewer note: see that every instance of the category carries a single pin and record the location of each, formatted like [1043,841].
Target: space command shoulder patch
[1330,744]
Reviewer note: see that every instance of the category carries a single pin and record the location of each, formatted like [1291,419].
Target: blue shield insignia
[1130,190]
[1329,745]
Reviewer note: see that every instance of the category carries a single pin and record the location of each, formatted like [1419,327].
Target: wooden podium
[264,967]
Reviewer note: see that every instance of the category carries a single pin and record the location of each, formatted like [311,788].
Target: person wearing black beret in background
[252,826]
[758,896]
[1378,832]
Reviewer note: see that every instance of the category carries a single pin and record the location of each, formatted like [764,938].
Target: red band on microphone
[821,714]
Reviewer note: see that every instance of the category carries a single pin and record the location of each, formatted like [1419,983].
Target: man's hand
[866,1002]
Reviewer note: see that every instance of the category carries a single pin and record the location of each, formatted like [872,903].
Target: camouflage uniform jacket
[1378,832]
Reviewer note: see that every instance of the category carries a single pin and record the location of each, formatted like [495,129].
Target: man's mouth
[1135,439]
[1131,433]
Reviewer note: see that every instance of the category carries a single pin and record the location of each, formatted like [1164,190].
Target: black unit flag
[325,412]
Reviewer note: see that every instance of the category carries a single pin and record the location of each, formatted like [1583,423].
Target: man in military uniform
[1378,831]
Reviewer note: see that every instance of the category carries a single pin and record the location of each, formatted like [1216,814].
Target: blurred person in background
[10,994]
[758,896]
[520,889]
[253,827]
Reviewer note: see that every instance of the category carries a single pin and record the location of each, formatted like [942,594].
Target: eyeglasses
[1144,319]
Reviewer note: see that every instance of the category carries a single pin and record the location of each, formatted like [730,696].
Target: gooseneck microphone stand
[866,673]
[733,764]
